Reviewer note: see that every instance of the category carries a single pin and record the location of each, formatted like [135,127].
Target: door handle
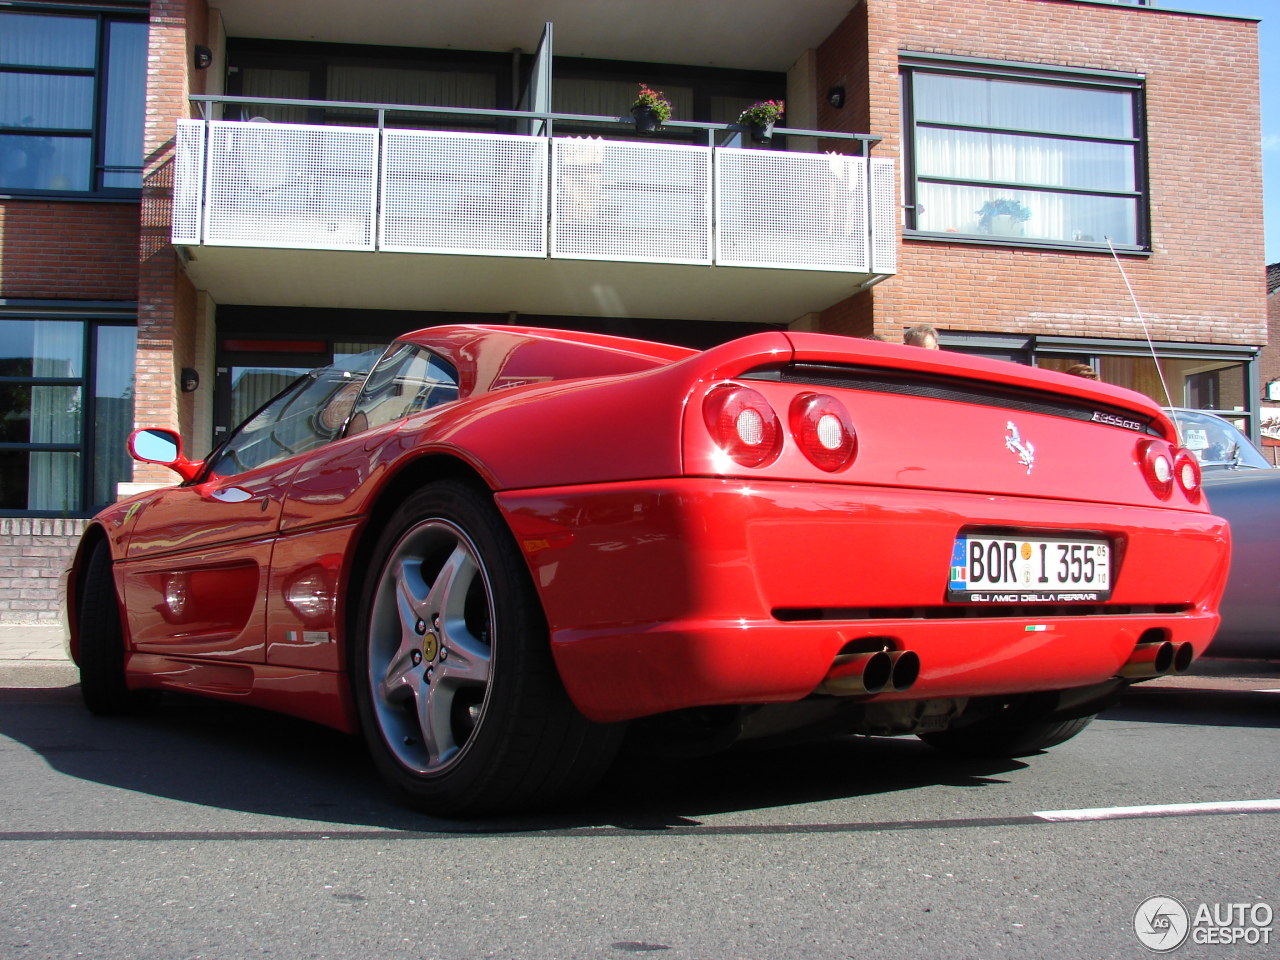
[232,495]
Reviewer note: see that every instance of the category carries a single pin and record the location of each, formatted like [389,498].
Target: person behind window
[921,335]
[1082,370]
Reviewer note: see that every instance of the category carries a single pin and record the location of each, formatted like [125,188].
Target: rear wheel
[459,699]
[1017,730]
[102,677]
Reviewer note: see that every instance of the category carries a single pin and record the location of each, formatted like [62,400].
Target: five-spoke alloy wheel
[451,666]
[431,645]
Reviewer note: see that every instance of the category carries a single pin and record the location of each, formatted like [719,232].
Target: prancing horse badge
[1025,449]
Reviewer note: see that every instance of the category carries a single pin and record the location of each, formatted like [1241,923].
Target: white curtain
[52,101]
[53,478]
[126,103]
[1037,161]
[40,41]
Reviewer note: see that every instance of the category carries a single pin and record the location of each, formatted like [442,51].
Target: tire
[102,676]
[1014,733]
[458,697]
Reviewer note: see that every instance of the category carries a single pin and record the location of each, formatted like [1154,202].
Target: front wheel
[102,653]
[458,697]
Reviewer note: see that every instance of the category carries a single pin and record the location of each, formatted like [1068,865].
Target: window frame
[103,18]
[1112,81]
[92,321]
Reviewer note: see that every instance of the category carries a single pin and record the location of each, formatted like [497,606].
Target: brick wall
[1203,282]
[166,299]
[1269,367]
[56,250]
[33,554]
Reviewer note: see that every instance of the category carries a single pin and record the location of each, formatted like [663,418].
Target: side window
[309,413]
[406,381]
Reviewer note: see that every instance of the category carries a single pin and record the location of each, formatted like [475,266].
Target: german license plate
[993,569]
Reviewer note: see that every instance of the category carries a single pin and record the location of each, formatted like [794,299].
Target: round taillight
[743,424]
[823,431]
[1157,467]
[1186,468]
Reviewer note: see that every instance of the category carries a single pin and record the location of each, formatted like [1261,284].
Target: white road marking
[1161,810]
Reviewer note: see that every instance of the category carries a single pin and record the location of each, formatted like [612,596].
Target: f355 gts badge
[1025,449]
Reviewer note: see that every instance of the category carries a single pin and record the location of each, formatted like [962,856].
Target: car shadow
[1209,708]
[239,758]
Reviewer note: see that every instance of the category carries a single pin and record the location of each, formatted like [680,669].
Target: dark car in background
[1243,488]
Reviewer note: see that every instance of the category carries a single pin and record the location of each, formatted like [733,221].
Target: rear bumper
[665,594]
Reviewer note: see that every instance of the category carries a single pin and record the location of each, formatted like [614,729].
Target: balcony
[339,216]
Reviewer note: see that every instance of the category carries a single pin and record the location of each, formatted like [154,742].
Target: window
[292,70]
[406,381]
[1203,382]
[608,88]
[72,102]
[1019,156]
[307,415]
[62,432]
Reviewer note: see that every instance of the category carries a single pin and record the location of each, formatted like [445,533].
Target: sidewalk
[31,642]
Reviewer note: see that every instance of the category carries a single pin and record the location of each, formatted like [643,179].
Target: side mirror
[157,445]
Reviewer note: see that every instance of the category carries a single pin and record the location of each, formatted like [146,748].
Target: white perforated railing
[463,193]
[621,200]
[801,211]
[363,188]
[188,181]
[289,185]
[884,216]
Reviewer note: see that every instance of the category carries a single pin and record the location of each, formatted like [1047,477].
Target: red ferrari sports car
[492,550]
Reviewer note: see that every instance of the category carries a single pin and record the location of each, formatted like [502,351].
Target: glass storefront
[1206,384]
[1198,376]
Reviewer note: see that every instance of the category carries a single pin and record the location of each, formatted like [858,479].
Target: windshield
[1216,442]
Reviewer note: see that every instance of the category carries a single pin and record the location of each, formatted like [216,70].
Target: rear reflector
[743,424]
[1157,466]
[823,431]
[1186,468]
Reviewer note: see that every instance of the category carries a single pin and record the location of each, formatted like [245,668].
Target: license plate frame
[1030,568]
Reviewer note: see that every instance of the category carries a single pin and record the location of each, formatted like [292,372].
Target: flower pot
[646,119]
[760,132]
[1005,225]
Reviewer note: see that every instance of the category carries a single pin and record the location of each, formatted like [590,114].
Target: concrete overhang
[477,284]
[739,34]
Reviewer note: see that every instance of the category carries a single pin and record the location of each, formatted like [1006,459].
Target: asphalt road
[218,831]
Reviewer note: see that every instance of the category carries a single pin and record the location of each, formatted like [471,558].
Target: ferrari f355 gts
[492,551]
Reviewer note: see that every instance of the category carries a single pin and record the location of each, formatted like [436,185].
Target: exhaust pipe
[1151,660]
[858,673]
[1182,659]
[906,669]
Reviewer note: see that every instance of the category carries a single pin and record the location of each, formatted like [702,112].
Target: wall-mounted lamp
[204,57]
[190,380]
[835,97]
